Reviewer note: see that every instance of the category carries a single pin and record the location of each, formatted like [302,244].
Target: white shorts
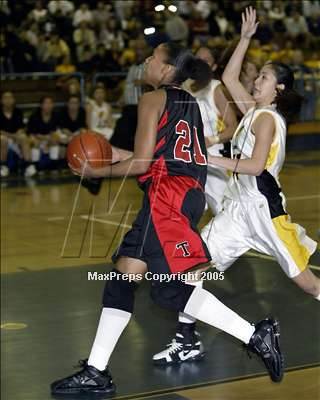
[214,190]
[246,225]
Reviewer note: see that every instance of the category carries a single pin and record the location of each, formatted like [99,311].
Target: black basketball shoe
[265,342]
[88,380]
[93,185]
[186,346]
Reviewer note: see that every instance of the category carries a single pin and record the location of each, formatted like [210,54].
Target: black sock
[186,330]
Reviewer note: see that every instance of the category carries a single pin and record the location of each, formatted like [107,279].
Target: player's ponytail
[288,101]
[187,65]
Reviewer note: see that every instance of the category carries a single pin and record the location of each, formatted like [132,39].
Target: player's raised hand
[249,23]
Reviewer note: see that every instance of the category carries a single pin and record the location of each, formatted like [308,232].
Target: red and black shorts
[164,234]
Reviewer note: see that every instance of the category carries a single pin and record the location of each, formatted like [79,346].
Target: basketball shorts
[246,225]
[164,234]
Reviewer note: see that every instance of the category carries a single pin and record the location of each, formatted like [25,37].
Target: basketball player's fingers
[115,155]
[74,171]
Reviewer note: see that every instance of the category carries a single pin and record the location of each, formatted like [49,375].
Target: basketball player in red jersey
[170,160]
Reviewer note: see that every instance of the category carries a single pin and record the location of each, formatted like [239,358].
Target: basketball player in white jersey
[254,215]
[219,121]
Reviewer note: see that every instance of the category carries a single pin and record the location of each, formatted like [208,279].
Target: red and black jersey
[180,148]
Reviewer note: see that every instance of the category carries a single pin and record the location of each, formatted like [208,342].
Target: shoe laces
[174,346]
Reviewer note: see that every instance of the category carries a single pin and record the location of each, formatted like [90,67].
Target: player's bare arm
[264,129]
[231,74]
[151,106]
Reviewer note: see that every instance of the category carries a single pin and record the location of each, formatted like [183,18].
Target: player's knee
[119,293]
[171,295]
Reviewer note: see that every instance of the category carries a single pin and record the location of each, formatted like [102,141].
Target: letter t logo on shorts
[183,246]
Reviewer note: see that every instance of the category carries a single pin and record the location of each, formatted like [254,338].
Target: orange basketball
[90,146]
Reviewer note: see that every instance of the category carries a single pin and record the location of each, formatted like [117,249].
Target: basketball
[89,146]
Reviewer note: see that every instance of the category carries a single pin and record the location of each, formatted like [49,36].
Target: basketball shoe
[88,380]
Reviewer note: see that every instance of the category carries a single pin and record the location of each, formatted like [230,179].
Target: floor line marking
[313,196]
[104,221]
[266,257]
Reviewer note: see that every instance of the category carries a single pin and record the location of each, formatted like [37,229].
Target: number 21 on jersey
[182,150]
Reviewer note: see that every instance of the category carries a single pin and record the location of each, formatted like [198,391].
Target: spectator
[99,113]
[39,13]
[61,15]
[61,7]
[32,34]
[72,118]
[65,67]
[176,28]
[310,8]
[296,25]
[13,136]
[110,33]
[277,13]
[125,129]
[6,64]
[314,25]
[122,7]
[55,49]
[128,55]
[24,56]
[83,14]
[222,23]
[305,86]
[203,8]
[104,60]
[199,27]
[101,14]
[86,60]
[43,131]
[84,39]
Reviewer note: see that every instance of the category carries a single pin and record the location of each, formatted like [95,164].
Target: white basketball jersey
[211,118]
[242,146]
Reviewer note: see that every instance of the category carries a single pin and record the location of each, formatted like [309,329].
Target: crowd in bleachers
[64,35]
[109,36]
[40,142]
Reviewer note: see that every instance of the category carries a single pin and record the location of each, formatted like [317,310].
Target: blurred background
[58,56]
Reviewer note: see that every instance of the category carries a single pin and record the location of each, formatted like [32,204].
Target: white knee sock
[318,297]
[111,325]
[183,317]
[207,308]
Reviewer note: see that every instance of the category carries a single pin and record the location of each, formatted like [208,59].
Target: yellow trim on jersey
[274,150]
[288,234]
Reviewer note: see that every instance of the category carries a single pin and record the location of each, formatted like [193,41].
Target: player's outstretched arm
[231,74]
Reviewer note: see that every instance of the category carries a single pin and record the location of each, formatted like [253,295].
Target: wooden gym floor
[54,233]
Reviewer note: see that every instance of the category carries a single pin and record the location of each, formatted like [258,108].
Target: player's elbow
[227,78]
[257,170]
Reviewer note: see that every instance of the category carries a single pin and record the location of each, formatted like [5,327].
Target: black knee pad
[172,295]
[119,293]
